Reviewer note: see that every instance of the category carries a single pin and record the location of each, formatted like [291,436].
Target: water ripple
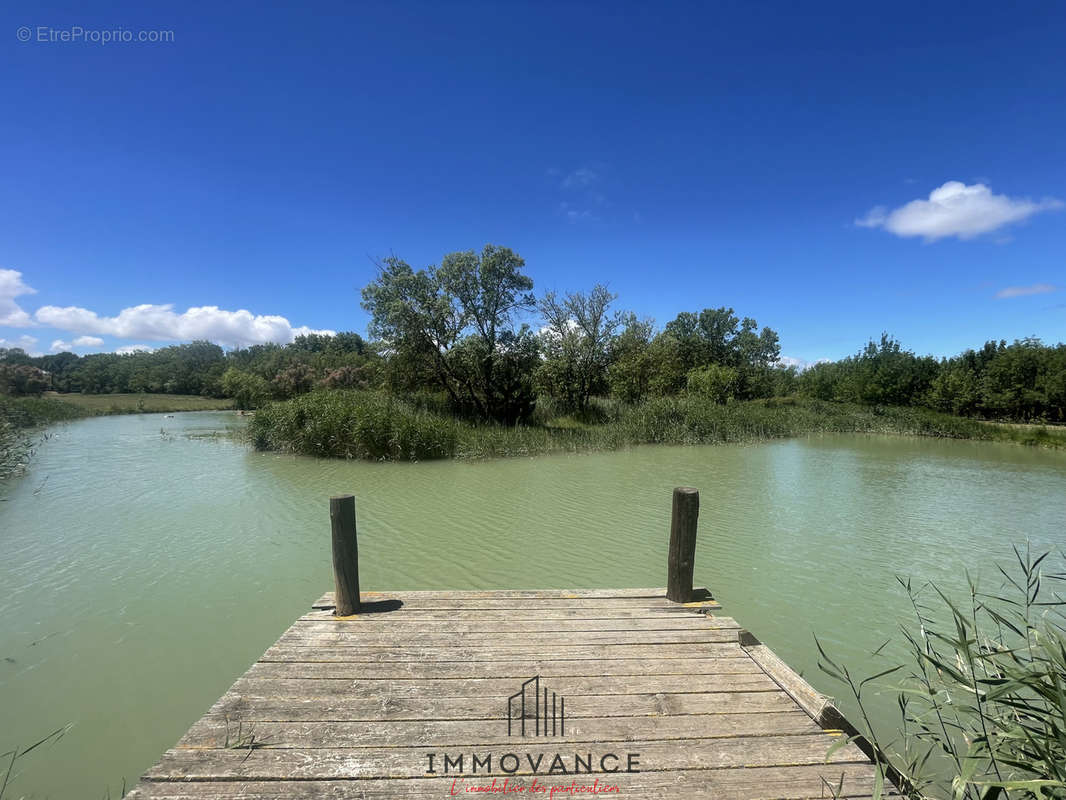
[150,560]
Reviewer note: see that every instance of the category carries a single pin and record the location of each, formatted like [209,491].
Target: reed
[983,704]
[379,426]
[11,757]
[18,419]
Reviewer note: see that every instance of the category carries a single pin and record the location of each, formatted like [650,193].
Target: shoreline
[350,426]
[371,427]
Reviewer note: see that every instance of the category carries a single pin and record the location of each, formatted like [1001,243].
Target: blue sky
[778,158]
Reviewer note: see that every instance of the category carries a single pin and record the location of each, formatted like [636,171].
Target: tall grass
[138,403]
[33,412]
[348,424]
[18,416]
[983,706]
[379,426]
[11,757]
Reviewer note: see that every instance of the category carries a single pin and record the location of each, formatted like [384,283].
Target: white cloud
[60,346]
[133,348]
[956,209]
[27,343]
[581,178]
[574,214]
[799,363]
[11,286]
[162,323]
[1024,291]
[584,202]
[303,330]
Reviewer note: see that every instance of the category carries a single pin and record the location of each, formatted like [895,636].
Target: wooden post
[345,555]
[683,519]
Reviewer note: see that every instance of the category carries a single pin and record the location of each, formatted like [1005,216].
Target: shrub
[22,379]
[713,382]
[347,424]
[247,389]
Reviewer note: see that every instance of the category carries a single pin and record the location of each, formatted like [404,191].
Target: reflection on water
[143,569]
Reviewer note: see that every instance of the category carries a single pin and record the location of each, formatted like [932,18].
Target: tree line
[256,374]
[472,330]
[1023,381]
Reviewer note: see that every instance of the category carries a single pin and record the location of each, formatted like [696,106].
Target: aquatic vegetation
[368,425]
[983,706]
[380,426]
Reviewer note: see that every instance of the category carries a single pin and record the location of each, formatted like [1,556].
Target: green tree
[247,389]
[669,375]
[718,336]
[23,379]
[631,367]
[1014,383]
[576,342]
[715,382]
[295,379]
[473,299]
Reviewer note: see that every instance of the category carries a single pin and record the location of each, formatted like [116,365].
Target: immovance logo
[533,711]
[539,702]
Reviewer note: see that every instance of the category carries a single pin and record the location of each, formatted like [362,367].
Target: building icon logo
[519,709]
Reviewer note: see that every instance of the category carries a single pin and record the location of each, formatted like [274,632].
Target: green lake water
[144,564]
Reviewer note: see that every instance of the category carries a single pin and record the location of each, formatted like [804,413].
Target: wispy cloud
[581,178]
[582,189]
[133,348]
[1025,291]
[12,286]
[575,214]
[956,209]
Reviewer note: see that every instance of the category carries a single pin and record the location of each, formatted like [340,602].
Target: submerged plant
[983,708]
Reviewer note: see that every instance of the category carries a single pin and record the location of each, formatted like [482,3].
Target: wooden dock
[436,694]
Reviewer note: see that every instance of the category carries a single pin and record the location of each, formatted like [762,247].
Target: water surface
[146,564]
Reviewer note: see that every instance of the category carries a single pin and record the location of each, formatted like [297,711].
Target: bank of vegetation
[380,426]
[465,359]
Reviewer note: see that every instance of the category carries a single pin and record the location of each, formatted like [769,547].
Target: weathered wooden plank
[213,732]
[820,707]
[404,625]
[804,781]
[317,636]
[518,615]
[335,763]
[245,709]
[561,652]
[519,604]
[601,662]
[805,695]
[706,668]
[327,600]
[500,688]
[350,707]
